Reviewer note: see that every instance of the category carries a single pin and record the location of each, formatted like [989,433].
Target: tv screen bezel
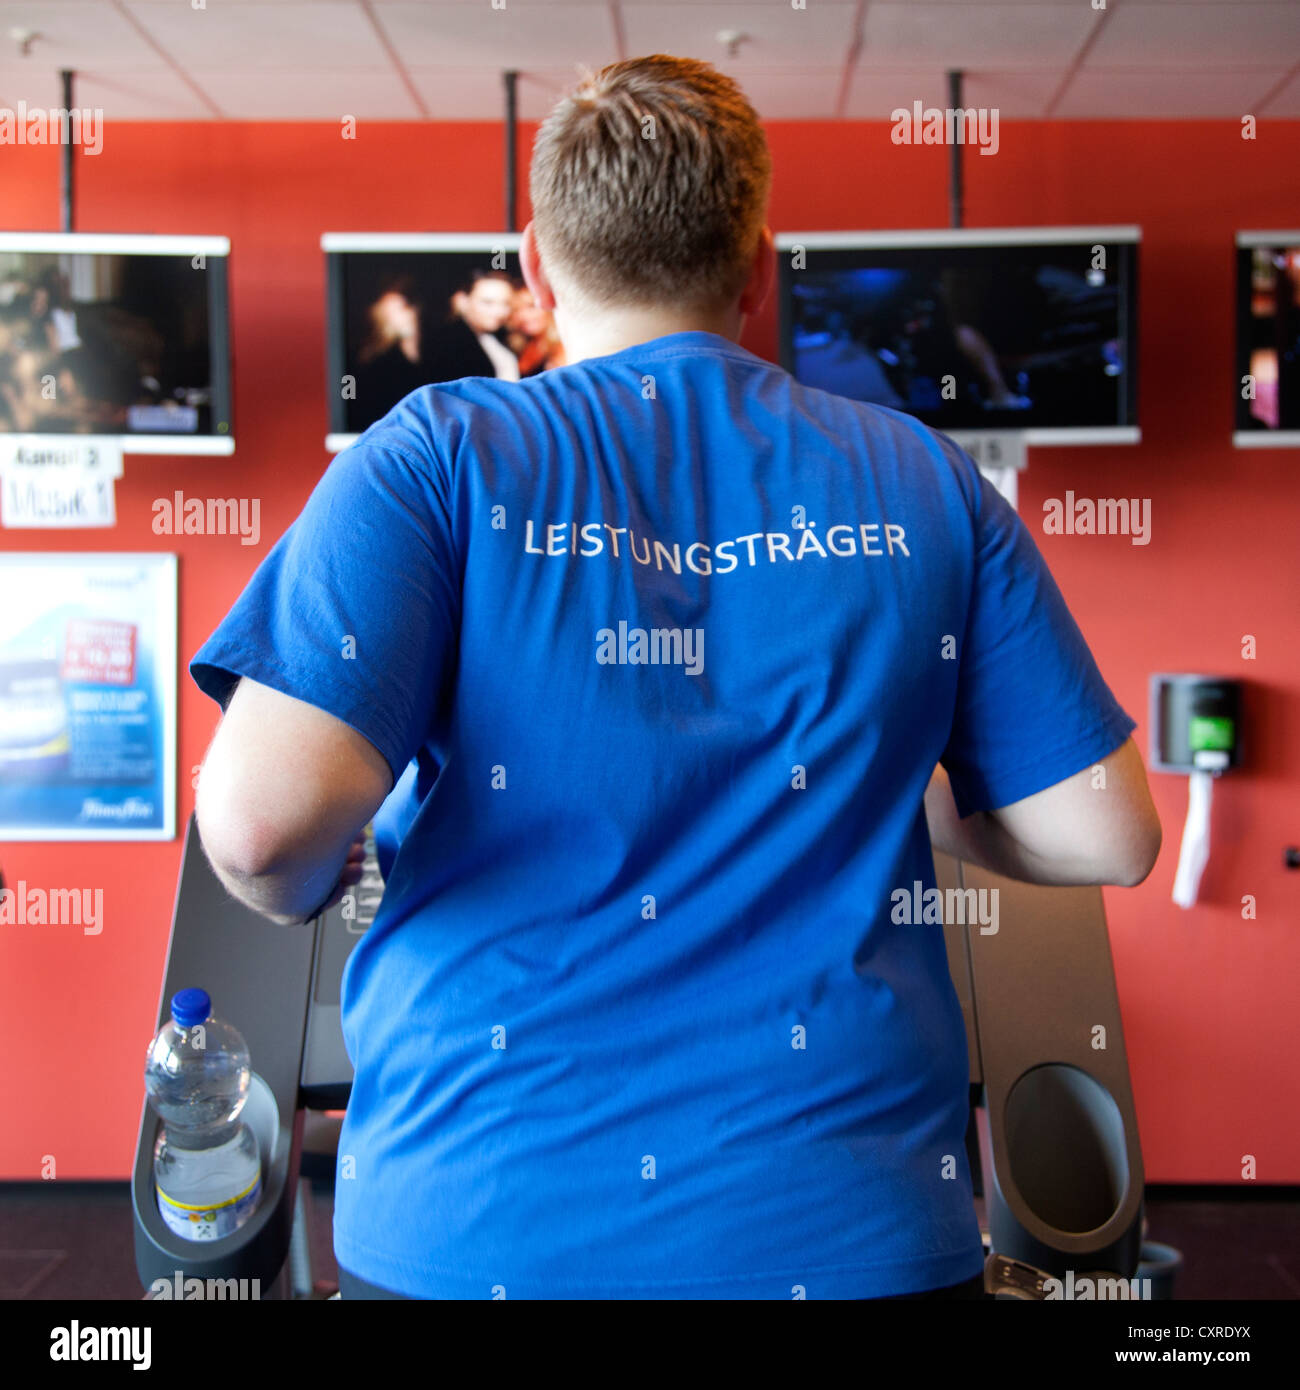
[337,245]
[1245,243]
[217,248]
[1126,432]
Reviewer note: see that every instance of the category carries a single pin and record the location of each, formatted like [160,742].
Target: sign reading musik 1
[592,539]
[58,483]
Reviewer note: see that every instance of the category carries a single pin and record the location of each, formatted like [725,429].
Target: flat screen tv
[1026,330]
[406,310]
[1267,382]
[122,338]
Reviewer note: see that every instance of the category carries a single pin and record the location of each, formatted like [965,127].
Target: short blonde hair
[649,184]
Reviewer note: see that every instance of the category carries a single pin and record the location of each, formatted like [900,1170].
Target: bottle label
[208,1223]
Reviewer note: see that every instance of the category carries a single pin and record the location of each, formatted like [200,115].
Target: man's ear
[530,262]
[761,275]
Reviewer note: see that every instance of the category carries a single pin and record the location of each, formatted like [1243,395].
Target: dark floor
[74,1240]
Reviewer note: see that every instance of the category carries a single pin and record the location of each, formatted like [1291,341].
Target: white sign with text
[58,483]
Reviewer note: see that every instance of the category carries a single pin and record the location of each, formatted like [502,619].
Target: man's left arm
[284,791]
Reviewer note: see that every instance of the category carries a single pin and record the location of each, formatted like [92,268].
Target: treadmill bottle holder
[213,938]
[259,1244]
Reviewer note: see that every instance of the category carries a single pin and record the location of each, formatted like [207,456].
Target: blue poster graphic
[87,697]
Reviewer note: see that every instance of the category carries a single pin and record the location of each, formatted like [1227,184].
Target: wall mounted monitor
[406,310]
[1024,330]
[1267,381]
[122,338]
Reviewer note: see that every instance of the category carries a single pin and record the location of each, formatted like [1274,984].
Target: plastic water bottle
[207,1171]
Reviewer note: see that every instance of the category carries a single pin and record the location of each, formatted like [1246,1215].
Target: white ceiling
[307,60]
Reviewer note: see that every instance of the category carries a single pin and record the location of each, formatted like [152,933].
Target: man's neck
[599,335]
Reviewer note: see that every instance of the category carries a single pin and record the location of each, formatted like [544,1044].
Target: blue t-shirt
[674,645]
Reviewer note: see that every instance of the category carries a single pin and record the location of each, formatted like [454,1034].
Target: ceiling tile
[234,36]
[475,94]
[507,5]
[980,4]
[121,96]
[791,96]
[139,96]
[75,34]
[998,35]
[37,86]
[521,36]
[1109,95]
[875,93]
[779,36]
[1199,35]
[1285,104]
[1017,95]
[319,59]
[1020,96]
[310,96]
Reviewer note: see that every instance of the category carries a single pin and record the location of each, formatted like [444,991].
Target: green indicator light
[1210,733]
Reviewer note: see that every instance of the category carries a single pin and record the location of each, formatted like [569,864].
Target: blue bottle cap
[190,1006]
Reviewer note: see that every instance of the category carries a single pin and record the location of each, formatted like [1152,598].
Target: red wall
[1208,998]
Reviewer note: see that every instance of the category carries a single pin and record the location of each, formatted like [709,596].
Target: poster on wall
[87,697]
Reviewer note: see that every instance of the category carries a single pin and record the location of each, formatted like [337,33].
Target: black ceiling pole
[66,189]
[512,153]
[956,210]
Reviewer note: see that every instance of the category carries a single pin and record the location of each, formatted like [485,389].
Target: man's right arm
[1088,829]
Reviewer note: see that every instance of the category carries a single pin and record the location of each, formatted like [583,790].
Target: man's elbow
[240,844]
[1142,851]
